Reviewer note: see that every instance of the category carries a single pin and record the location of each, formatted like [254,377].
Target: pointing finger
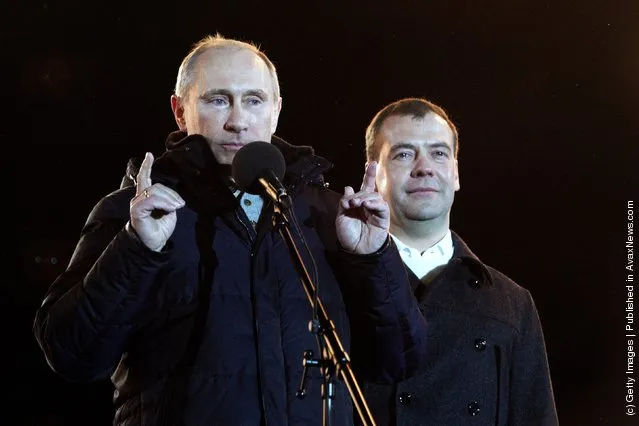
[368,183]
[143,179]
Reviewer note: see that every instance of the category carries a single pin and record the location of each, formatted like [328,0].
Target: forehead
[231,69]
[431,128]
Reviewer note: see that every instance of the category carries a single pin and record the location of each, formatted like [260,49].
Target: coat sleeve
[531,398]
[90,310]
[388,328]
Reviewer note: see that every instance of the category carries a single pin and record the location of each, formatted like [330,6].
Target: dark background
[544,93]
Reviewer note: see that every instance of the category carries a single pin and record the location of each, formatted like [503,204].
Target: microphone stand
[334,361]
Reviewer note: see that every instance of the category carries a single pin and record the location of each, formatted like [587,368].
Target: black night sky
[545,95]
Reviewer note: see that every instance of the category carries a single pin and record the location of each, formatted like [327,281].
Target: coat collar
[463,255]
[188,159]
[463,260]
[301,162]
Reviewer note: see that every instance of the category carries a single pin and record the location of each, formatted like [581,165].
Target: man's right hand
[153,209]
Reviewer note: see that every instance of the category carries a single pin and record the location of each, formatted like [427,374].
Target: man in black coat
[486,360]
[181,290]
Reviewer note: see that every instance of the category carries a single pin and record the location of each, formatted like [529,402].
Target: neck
[420,235]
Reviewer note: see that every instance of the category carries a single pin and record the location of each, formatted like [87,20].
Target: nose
[237,120]
[422,167]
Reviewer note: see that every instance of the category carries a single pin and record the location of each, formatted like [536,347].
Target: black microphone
[258,168]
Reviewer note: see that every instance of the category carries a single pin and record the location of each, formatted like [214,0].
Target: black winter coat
[212,330]
[486,362]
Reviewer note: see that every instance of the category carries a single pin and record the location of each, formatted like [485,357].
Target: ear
[456,176]
[177,106]
[276,115]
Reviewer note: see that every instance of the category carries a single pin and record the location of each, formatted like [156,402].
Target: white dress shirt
[422,263]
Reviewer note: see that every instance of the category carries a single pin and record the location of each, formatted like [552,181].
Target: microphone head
[250,163]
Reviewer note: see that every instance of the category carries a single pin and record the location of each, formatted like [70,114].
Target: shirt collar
[443,247]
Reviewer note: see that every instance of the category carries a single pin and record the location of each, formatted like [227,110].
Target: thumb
[343,203]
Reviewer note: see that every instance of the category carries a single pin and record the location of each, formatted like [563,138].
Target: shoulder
[316,208]
[113,205]
[319,196]
[505,284]
[516,300]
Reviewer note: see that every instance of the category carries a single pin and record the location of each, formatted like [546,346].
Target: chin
[424,214]
[224,158]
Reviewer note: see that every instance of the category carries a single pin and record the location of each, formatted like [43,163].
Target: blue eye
[403,155]
[218,101]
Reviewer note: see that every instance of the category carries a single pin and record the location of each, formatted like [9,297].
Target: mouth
[232,147]
[422,190]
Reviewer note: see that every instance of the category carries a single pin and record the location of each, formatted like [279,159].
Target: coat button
[473,408]
[480,344]
[474,283]
[405,398]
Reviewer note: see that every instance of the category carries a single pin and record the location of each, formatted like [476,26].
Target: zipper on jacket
[248,231]
[262,228]
[256,326]
[258,349]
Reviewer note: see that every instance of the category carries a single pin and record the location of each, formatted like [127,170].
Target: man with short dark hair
[486,362]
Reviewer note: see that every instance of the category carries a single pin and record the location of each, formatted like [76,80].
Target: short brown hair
[415,107]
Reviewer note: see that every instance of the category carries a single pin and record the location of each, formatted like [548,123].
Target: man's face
[230,101]
[417,173]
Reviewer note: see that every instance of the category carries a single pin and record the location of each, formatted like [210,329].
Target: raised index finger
[368,184]
[143,179]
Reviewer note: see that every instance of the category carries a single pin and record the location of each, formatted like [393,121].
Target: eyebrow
[225,92]
[408,145]
[440,144]
[401,145]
